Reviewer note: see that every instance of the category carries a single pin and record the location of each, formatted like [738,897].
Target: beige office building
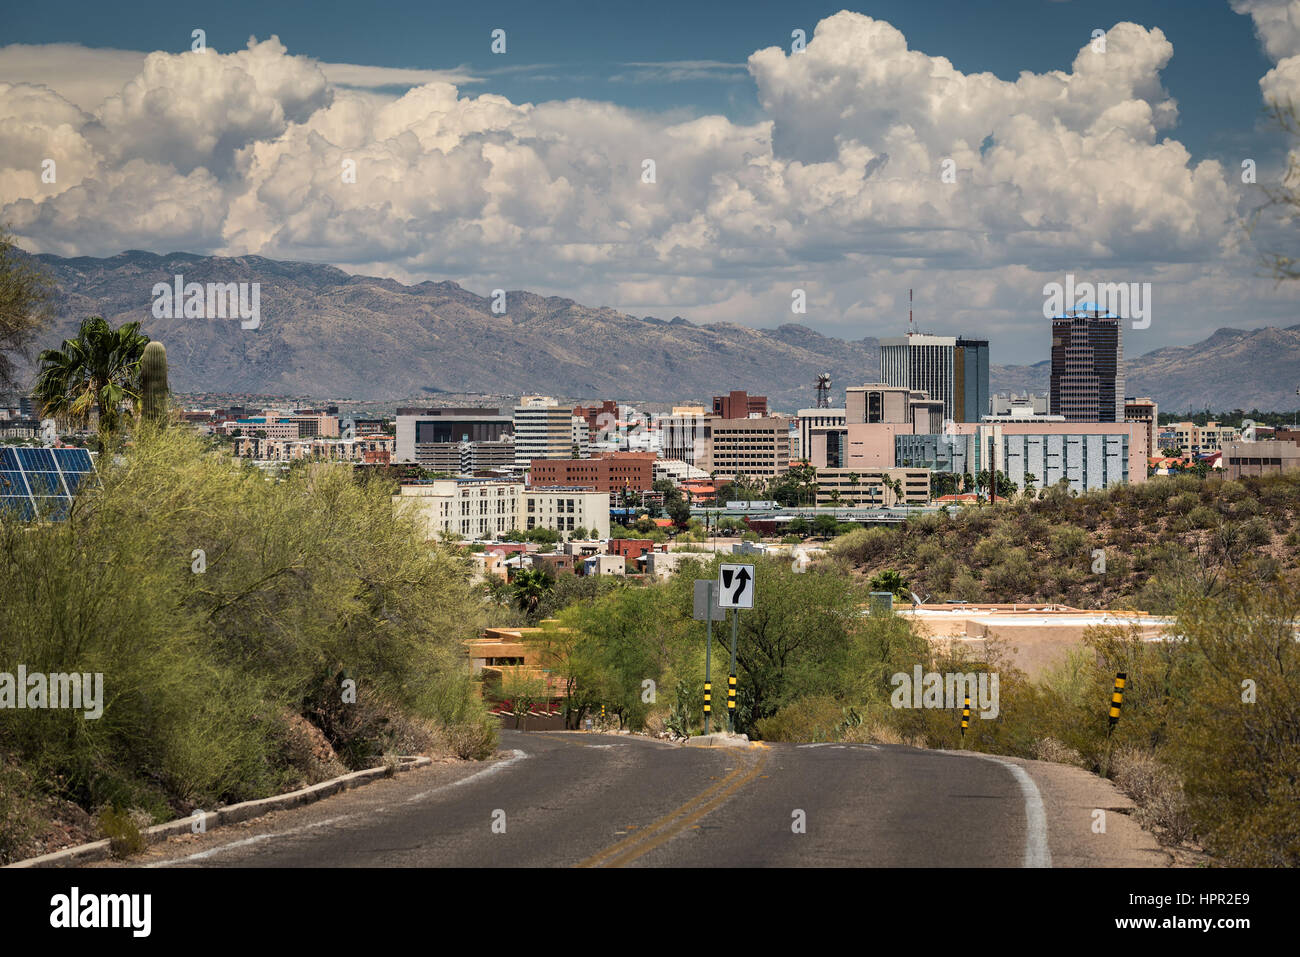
[1145,411]
[1195,439]
[544,429]
[757,447]
[850,487]
[687,436]
[1259,458]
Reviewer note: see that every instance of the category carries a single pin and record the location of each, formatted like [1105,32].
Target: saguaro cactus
[153,382]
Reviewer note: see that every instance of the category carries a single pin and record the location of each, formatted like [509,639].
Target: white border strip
[1037,852]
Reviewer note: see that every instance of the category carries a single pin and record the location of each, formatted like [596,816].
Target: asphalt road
[571,799]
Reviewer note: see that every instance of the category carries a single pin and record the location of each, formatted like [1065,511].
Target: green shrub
[304,576]
[966,587]
[1068,543]
[808,719]
[865,546]
[123,832]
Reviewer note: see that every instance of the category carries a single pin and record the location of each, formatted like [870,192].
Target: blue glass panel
[74,480]
[37,460]
[11,483]
[52,508]
[8,461]
[18,507]
[45,483]
[73,460]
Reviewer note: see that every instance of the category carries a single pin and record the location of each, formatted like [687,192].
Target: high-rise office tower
[970,375]
[919,361]
[1088,367]
[950,369]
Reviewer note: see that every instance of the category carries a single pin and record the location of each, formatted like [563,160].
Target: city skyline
[799,180]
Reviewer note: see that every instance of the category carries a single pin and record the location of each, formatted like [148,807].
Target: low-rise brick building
[611,472]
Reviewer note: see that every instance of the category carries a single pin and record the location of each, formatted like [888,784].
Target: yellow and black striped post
[731,700]
[1116,702]
[1117,699]
[708,704]
[965,719]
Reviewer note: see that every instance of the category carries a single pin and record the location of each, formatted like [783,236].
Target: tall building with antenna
[951,369]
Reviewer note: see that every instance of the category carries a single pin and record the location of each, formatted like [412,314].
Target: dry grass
[1157,791]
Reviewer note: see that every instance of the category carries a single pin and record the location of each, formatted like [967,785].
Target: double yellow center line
[674,822]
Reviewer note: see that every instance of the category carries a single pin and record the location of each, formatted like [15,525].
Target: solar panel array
[41,482]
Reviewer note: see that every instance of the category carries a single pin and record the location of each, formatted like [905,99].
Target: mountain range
[328,334]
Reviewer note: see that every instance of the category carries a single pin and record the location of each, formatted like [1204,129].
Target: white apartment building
[564,509]
[485,508]
[362,448]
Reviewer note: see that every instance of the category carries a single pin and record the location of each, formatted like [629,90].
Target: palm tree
[100,368]
[896,487]
[891,581]
[853,480]
[531,586]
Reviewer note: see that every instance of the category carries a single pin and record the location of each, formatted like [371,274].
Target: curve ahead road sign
[736,586]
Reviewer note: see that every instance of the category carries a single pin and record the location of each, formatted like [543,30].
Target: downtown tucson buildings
[1088,367]
[949,369]
[485,508]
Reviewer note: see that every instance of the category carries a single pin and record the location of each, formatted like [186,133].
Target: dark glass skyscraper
[971,380]
[1088,367]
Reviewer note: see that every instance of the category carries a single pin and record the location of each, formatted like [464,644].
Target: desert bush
[991,550]
[940,572]
[865,546]
[302,577]
[1068,543]
[18,819]
[1050,749]
[1013,575]
[122,828]
[966,587]
[470,740]
[808,719]
[1157,791]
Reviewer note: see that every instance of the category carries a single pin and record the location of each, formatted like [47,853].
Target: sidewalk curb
[720,739]
[233,814]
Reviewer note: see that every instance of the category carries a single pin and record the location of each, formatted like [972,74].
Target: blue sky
[560,50]
[776,172]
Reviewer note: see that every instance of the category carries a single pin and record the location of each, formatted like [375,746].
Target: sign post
[731,676]
[707,609]
[708,656]
[736,591]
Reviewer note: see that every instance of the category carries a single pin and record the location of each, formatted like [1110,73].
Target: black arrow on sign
[742,576]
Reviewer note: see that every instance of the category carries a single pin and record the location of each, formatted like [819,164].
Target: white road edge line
[256,838]
[1037,853]
[515,756]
